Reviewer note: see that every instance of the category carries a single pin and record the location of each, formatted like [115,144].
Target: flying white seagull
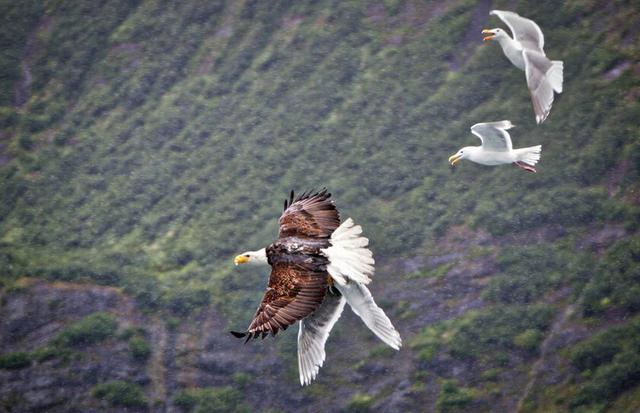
[496,148]
[526,52]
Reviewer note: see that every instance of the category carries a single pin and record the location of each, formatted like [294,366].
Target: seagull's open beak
[453,159]
[490,33]
[240,259]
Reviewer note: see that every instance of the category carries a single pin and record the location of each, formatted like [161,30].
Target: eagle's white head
[253,257]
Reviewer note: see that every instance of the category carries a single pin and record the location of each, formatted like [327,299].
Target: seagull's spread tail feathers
[349,257]
[555,76]
[530,155]
[361,302]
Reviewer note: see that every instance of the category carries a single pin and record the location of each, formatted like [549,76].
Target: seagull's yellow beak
[240,259]
[453,159]
[490,33]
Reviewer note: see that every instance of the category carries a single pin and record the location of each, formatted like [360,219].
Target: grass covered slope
[162,140]
[142,146]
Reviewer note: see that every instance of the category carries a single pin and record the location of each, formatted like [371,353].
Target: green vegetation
[140,348]
[616,283]
[211,400]
[491,374]
[453,398]
[427,344]
[359,403]
[610,380]
[20,359]
[89,330]
[142,146]
[175,158]
[242,379]
[527,273]
[529,339]
[15,360]
[118,393]
[498,328]
[610,363]
[130,331]
[49,352]
[600,349]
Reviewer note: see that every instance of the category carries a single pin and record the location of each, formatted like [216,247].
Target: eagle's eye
[246,255]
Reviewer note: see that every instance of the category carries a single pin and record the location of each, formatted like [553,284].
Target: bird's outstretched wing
[295,290]
[536,69]
[313,334]
[494,135]
[524,30]
[361,301]
[309,216]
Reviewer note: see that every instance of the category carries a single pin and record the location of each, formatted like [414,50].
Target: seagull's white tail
[361,302]
[555,76]
[349,257]
[530,155]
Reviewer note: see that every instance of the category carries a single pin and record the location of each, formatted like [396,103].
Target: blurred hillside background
[145,143]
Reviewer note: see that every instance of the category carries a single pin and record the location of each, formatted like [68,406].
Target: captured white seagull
[496,148]
[317,265]
[526,52]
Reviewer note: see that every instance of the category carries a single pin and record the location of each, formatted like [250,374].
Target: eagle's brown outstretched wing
[309,215]
[294,292]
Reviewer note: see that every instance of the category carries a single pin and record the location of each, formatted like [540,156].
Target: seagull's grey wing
[536,67]
[313,334]
[524,30]
[494,135]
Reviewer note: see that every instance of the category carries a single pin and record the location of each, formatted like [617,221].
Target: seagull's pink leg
[524,166]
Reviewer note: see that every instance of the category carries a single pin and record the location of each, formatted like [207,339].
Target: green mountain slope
[144,144]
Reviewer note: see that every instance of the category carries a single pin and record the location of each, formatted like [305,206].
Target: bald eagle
[317,265]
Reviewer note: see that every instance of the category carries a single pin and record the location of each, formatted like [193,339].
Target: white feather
[349,257]
[362,303]
[555,75]
[312,336]
[350,266]
[530,155]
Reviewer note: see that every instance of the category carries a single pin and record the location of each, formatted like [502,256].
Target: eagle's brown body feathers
[299,279]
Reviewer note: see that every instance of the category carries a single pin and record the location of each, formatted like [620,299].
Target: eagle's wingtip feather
[238,334]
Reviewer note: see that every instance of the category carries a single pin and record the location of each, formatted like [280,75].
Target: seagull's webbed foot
[524,166]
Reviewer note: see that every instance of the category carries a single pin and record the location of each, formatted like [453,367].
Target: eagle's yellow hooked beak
[453,159]
[240,259]
[490,33]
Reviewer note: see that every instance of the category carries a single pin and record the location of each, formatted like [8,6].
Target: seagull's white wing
[524,30]
[537,66]
[361,301]
[313,334]
[494,135]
